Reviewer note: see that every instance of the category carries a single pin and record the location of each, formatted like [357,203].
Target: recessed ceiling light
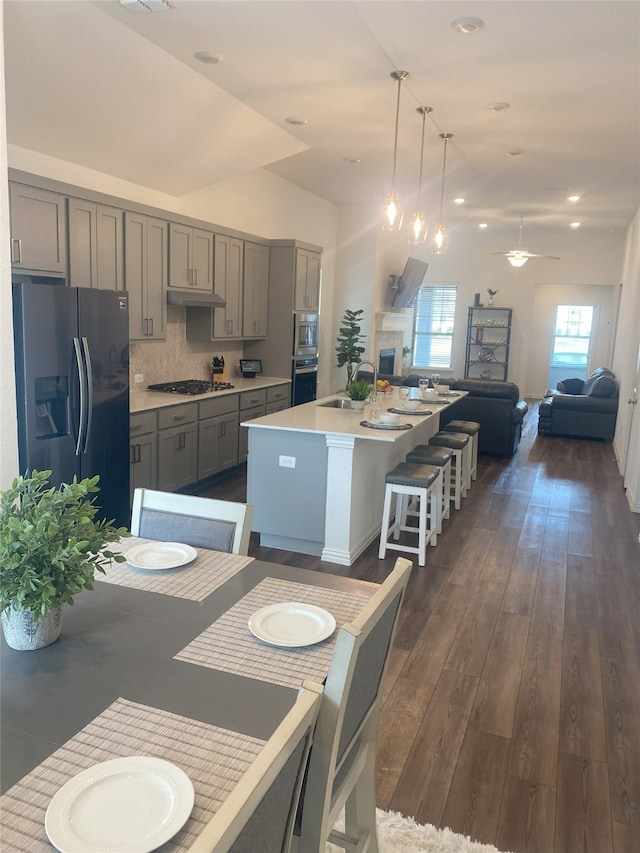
[141,6]
[573,198]
[467,25]
[207,56]
[351,159]
[295,120]
[516,153]
[498,107]
[576,224]
[483,225]
[458,200]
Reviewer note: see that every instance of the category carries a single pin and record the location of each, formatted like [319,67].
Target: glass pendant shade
[517,260]
[440,241]
[417,229]
[391,213]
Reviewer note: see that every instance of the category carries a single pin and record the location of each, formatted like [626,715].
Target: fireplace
[387,360]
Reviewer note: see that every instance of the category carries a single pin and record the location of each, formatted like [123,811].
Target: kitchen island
[316,475]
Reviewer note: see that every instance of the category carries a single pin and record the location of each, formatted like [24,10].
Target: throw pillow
[603,386]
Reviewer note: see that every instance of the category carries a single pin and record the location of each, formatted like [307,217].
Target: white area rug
[398,834]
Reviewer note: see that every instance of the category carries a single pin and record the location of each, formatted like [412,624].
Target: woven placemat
[213,758]
[228,644]
[194,581]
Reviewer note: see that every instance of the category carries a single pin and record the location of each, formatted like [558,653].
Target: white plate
[156,556]
[130,805]
[292,624]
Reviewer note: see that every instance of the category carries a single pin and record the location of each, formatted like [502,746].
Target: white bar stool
[470,428]
[404,481]
[458,443]
[425,454]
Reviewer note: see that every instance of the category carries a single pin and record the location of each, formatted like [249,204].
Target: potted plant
[50,547]
[491,293]
[358,392]
[349,350]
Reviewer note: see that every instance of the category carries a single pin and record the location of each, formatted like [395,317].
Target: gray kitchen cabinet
[217,434]
[227,283]
[95,245]
[190,258]
[280,396]
[255,290]
[307,281]
[143,451]
[146,271]
[252,405]
[38,229]
[177,446]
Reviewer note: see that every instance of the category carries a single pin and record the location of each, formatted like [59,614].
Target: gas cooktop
[190,386]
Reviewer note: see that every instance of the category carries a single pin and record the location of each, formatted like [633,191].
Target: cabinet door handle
[178,418]
[151,332]
[224,428]
[16,251]
[195,276]
[135,427]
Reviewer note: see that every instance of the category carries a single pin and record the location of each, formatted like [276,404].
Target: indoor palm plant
[51,544]
[349,347]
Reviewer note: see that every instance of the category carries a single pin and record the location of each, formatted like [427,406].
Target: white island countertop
[318,418]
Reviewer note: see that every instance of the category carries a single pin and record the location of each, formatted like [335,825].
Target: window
[572,336]
[433,319]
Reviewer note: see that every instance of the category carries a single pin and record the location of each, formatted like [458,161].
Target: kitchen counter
[316,477]
[143,401]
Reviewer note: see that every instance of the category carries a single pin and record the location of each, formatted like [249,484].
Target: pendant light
[418,225]
[391,212]
[440,240]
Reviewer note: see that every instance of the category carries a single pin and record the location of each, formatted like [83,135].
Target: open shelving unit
[488,343]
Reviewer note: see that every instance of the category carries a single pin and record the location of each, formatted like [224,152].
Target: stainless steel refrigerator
[72,384]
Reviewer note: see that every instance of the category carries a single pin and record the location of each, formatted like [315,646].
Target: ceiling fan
[518,257]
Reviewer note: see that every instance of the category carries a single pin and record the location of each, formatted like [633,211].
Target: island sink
[336,404]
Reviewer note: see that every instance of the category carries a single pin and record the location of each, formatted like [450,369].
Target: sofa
[586,409]
[495,405]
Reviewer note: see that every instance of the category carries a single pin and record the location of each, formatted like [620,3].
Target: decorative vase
[23,634]
[358,405]
[490,301]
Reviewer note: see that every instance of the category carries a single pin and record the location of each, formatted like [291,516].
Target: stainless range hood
[194,299]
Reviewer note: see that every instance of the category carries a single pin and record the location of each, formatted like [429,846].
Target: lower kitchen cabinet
[143,451]
[252,405]
[217,435]
[177,447]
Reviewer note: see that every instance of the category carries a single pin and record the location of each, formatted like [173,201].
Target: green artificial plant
[358,390]
[349,338]
[50,542]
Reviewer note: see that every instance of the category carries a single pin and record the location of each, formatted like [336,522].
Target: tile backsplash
[177,358]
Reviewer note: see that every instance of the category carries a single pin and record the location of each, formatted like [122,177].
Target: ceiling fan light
[440,241]
[417,229]
[391,213]
[517,260]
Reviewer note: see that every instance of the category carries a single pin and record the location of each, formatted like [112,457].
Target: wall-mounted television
[409,282]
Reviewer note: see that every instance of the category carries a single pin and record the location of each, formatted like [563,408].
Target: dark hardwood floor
[512,709]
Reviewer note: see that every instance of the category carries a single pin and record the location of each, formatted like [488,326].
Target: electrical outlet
[138,377]
[287,461]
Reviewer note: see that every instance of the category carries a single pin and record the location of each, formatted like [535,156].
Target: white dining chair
[258,814]
[341,768]
[192,520]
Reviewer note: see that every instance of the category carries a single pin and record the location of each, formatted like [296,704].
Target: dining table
[159,662]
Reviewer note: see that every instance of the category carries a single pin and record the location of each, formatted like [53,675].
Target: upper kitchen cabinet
[146,273]
[255,290]
[227,284]
[307,292]
[95,245]
[190,258]
[38,229]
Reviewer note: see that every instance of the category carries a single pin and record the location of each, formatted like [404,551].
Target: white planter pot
[23,634]
[358,404]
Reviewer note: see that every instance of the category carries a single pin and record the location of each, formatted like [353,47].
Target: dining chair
[341,767]
[259,813]
[192,520]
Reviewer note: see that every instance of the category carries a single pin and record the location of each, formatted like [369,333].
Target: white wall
[8,436]
[626,367]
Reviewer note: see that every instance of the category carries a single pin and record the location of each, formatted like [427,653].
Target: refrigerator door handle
[83,395]
[89,381]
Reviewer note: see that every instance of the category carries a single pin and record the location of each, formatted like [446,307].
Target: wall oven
[304,380]
[305,335]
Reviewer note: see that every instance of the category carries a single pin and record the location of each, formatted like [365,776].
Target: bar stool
[405,480]
[470,428]
[425,454]
[459,446]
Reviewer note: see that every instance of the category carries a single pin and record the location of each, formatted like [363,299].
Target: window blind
[433,323]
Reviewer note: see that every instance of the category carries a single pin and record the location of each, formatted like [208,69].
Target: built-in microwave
[305,335]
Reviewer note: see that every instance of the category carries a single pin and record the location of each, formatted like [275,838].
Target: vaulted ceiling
[122,93]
